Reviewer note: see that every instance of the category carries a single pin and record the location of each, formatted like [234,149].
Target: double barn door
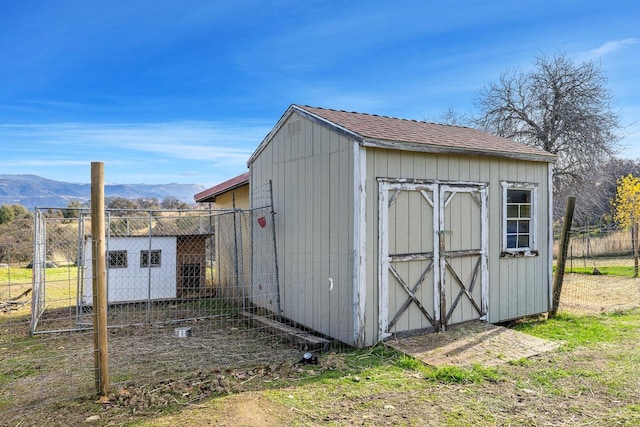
[432,249]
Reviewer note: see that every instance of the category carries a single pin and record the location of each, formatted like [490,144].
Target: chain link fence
[184,290]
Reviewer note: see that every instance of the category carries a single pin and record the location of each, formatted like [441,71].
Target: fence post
[562,255]
[634,243]
[99,280]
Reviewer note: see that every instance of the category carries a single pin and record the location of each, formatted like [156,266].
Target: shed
[389,226]
[228,194]
[228,198]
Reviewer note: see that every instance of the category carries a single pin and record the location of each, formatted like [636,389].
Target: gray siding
[517,286]
[312,178]
[318,222]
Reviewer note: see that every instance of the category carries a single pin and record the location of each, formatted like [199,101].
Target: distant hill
[33,191]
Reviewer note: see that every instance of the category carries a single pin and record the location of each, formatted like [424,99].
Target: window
[519,221]
[117,259]
[150,258]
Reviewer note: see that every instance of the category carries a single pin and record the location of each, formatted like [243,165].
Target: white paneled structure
[389,226]
[137,269]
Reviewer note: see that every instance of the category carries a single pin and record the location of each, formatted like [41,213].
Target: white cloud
[611,47]
[167,152]
[185,140]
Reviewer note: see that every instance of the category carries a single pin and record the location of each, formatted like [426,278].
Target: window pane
[518,196]
[523,241]
[519,221]
[155,258]
[512,211]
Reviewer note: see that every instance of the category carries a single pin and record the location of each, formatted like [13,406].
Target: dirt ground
[517,398]
[233,384]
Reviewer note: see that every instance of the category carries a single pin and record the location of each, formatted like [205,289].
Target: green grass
[611,270]
[575,331]
[455,374]
[14,276]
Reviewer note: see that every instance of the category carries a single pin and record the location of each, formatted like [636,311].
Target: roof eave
[203,198]
[439,149]
[267,139]
[210,194]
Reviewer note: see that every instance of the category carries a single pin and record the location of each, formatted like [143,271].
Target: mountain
[31,191]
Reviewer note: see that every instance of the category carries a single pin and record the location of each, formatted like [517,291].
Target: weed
[455,374]
[523,361]
[409,363]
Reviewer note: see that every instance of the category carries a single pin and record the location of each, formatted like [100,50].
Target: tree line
[16,222]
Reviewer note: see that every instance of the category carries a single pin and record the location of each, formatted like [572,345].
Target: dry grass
[588,294]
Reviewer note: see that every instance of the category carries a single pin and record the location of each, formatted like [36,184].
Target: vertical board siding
[312,192]
[517,287]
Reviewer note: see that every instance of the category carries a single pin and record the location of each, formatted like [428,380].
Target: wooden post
[562,255]
[634,242]
[99,280]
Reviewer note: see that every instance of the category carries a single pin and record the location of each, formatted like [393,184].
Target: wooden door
[432,258]
[462,253]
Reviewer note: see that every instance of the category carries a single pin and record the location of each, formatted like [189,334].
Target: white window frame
[532,250]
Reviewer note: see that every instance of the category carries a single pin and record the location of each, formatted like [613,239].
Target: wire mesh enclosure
[184,290]
[162,267]
[601,272]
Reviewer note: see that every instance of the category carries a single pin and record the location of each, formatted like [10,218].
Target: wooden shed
[390,226]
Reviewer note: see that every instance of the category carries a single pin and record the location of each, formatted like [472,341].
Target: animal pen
[162,267]
[188,292]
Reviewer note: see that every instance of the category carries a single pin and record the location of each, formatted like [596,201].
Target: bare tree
[170,202]
[560,107]
[595,194]
[453,117]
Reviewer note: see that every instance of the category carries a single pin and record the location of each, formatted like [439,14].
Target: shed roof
[209,195]
[402,134]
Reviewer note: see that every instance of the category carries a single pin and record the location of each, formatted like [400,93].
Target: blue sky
[184,91]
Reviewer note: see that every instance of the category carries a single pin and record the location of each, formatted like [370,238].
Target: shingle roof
[210,194]
[374,130]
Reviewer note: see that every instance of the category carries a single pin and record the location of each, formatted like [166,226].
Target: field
[592,379]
